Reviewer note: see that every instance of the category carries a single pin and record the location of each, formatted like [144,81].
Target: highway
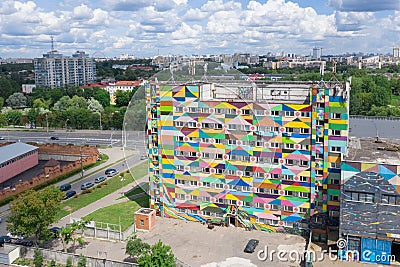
[94,138]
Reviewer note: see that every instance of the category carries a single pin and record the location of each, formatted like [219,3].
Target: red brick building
[16,158]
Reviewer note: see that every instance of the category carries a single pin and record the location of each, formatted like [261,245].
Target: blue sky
[151,27]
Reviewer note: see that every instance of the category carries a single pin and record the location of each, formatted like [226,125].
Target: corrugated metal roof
[14,150]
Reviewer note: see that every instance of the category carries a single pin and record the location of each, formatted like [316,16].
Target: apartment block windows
[179,109]
[289,113]
[336,116]
[336,132]
[335,149]
[275,113]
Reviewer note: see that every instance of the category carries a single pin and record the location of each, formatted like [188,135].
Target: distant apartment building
[56,70]
[28,88]
[396,53]
[260,155]
[370,199]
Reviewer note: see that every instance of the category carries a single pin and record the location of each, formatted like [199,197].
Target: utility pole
[80,149]
[47,123]
[101,126]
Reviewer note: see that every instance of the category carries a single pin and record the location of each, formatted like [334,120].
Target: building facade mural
[260,156]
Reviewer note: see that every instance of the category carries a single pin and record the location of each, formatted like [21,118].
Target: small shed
[51,165]
[145,219]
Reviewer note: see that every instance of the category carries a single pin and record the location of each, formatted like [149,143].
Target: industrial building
[370,199]
[56,70]
[17,158]
[260,155]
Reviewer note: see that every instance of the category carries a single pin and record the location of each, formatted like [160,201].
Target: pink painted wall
[19,166]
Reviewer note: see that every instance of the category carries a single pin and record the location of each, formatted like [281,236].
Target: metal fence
[381,118]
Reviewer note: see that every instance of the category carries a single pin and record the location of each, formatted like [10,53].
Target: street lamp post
[47,123]
[80,150]
[101,126]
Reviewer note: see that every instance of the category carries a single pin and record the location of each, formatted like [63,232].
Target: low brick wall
[89,156]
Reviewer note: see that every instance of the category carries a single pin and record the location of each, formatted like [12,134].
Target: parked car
[86,185]
[143,157]
[14,236]
[69,194]
[99,179]
[5,239]
[251,246]
[111,172]
[65,187]
[55,231]
[1,138]
[24,242]
[54,138]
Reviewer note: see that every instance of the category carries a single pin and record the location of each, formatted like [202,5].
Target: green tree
[158,255]
[77,102]
[135,247]
[73,233]
[94,105]
[33,115]
[33,211]
[62,104]
[82,261]
[7,87]
[122,98]
[1,102]
[13,117]
[41,103]
[3,119]
[37,257]
[17,100]
[102,96]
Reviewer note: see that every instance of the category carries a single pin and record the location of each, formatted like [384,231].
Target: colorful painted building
[260,155]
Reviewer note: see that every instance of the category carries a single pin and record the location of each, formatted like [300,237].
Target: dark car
[69,194]
[86,185]
[111,172]
[65,187]
[99,179]
[251,246]
[5,239]
[1,138]
[55,231]
[24,242]
[54,138]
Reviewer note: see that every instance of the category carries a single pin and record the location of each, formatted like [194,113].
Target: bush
[69,262]
[87,191]
[52,263]
[38,257]
[82,261]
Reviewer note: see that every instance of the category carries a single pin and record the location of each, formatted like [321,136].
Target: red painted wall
[18,166]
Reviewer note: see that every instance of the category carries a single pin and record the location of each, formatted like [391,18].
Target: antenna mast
[52,43]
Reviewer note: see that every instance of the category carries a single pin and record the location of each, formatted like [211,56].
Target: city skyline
[105,28]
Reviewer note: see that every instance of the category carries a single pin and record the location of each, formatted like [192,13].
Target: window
[336,116]
[259,205]
[206,213]
[335,149]
[334,198]
[179,138]
[275,112]
[219,171]
[179,109]
[335,165]
[305,114]
[230,172]
[182,182]
[274,145]
[179,124]
[231,142]
[320,123]
[319,156]
[206,184]
[303,179]
[218,156]
[219,186]
[205,155]
[192,110]
[303,210]
[180,196]
[335,180]
[275,161]
[193,197]
[248,173]
[193,183]
[246,111]
[206,199]
[289,146]
[289,113]
[275,176]
[204,110]
[336,133]
[205,170]
[259,144]
[259,112]
[273,207]
[389,199]
[179,167]
[319,172]
[287,208]
[304,130]
[141,222]
[192,124]
[303,163]
[289,162]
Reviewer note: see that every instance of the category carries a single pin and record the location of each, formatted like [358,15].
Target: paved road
[89,137]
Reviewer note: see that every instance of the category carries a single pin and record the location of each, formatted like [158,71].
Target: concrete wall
[104,233]
[61,257]
[59,157]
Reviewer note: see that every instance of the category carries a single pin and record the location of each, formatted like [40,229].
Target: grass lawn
[121,213]
[112,185]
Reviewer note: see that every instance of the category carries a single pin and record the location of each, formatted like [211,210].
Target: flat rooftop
[367,149]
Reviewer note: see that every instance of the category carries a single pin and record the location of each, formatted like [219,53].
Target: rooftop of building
[374,150]
[14,150]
